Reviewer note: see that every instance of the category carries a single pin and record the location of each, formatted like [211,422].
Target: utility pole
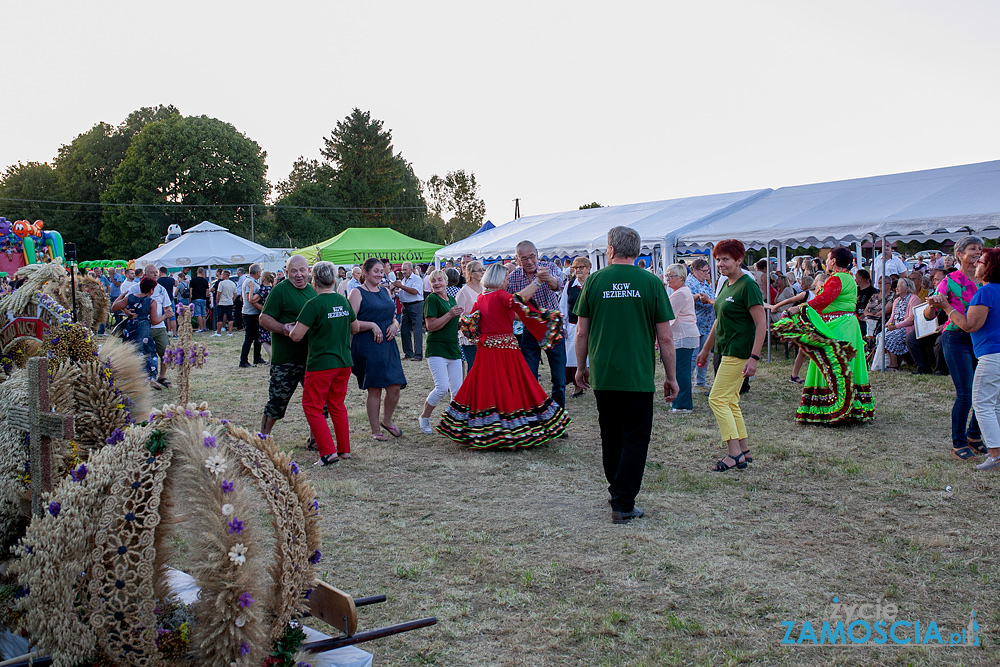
[251,223]
[517,208]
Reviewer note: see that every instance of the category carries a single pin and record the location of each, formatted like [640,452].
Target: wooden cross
[185,342]
[41,424]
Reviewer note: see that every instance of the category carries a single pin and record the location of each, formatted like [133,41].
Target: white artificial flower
[216,465]
[240,621]
[204,434]
[227,509]
[238,554]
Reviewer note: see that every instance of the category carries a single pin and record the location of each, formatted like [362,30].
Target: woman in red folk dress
[501,405]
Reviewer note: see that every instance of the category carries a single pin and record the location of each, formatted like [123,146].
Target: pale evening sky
[558,103]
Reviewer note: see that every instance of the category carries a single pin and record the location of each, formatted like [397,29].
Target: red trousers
[328,388]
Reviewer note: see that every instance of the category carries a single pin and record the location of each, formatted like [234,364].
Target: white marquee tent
[207,244]
[934,204]
[585,231]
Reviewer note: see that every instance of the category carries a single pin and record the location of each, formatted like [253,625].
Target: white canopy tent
[934,204]
[207,244]
[585,231]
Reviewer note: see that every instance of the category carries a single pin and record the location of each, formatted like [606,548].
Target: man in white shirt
[128,282]
[251,317]
[893,266]
[411,295]
[159,331]
[226,292]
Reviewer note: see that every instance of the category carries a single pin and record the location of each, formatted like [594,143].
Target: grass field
[515,553]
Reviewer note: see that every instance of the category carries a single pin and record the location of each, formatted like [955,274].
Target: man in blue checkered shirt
[529,269]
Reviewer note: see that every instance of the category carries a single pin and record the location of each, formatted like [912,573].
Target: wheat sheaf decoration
[186,489]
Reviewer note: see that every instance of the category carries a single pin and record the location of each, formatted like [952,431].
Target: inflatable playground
[23,243]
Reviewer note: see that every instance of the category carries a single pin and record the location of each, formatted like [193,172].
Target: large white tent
[585,231]
[934,204]
[207,244]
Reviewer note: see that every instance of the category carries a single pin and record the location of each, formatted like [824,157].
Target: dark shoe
[977,446]
[417,359]
[920,371]
[746,456]
[962,453]
[311,444]
[259,362]
[165,382]
[244,364]
[327,460]
[738,462]
[624,517]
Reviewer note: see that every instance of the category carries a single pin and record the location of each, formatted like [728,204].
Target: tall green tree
[85,170]
[203,166]
[33,180]
[371,178]
[308,210]
[458,194]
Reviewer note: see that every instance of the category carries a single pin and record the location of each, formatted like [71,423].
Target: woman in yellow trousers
[738,335]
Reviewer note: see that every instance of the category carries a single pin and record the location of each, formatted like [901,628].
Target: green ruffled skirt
[836,386]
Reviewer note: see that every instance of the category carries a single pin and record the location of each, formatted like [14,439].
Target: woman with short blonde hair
[466,298]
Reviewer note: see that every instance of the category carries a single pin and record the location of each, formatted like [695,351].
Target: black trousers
[626,421]
[926,352]
[251,336]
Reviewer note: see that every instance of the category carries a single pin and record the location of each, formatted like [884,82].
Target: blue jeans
[683,400]
[200,308]
[532,352]
[700,374]
[958,354]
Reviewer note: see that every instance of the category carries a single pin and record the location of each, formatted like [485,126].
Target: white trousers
[986,398]
[447,374]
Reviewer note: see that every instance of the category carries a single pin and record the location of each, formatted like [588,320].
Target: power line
[172,205]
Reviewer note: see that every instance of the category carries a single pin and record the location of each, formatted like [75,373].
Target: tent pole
[767,288]
[883,305]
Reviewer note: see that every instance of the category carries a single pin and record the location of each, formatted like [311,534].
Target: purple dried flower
[244,648]
[79,473]
[246,599]
[116,436]
[227,486]
[315,505]
[314,559]
[308,594]
[188,413]
[54,508]
[22,591]
[261,436]
[210,441]
[294,467]
[235,526]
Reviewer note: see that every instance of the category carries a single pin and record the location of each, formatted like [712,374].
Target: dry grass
[515,554]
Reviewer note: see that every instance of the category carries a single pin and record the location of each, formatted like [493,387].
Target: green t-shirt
[284,304]
[444,341]
[329,318]
[734,327]
[623,304]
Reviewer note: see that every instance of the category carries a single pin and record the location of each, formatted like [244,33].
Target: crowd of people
[483,331]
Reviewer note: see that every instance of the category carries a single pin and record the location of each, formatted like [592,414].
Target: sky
[555,103]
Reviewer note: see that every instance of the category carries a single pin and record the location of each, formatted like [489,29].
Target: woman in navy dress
[375,353]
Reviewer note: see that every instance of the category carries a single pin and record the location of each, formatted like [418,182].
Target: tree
[458,193]
[34,180]
[592,204]
[371,178]
[85,170]
[310,184]
[204,164]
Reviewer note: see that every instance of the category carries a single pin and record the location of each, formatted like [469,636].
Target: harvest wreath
[91,572]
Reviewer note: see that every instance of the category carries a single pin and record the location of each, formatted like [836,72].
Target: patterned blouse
[959,290]
[704,312]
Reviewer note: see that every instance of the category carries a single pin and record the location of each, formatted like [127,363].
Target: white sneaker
[217,334]
[230,334]
[425,424]
[989,464]
[682,410]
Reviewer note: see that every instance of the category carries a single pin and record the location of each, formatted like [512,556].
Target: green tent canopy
[356,244]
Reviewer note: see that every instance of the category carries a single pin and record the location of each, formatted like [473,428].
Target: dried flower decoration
[79,473]
[54,508]
[235,526]
[227,486]
[215,464]
[227,509]
[238,554]
[246,599]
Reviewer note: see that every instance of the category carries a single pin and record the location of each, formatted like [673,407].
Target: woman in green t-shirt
[441,315]
[738,335]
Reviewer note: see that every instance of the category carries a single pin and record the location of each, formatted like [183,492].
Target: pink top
[959,294]
[906,322]
[685,322]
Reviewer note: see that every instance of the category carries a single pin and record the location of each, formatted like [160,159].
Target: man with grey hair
[531,269]
[622,311]
[251,316]
[411,295]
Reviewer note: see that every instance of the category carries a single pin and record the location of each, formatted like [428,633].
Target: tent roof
[356,244]
[585,230]
[930,204]
[207,244]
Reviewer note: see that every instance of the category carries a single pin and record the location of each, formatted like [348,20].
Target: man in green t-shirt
[621,310]
[288,358]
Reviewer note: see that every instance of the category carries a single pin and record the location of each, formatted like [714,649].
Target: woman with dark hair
[954,294]
[374,352]
[982,322]
[738,335]
[836,384]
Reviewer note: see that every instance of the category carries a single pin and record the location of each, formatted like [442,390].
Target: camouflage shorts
[284,379]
